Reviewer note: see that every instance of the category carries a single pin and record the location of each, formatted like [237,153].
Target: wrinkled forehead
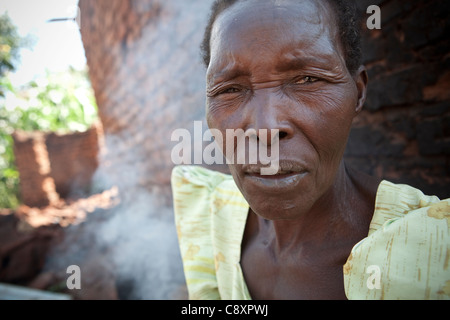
[251,11]
[278,27]
[304,15]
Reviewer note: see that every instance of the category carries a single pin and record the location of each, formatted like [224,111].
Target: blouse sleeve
[406,254]
[191,188]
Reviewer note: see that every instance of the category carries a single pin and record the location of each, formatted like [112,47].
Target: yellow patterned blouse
[404,256]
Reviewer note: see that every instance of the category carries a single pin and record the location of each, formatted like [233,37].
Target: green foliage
[10,43]
[9,177]
[62,102]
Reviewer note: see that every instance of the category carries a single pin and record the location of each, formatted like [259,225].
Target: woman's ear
[361,79]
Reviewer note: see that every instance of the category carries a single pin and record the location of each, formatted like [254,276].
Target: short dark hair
[348,24]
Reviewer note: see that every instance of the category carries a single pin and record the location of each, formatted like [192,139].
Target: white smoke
[129,251]
[144,249]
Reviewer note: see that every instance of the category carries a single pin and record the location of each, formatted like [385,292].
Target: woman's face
[278,64]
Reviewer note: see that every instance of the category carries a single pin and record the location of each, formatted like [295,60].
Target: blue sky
[57,45]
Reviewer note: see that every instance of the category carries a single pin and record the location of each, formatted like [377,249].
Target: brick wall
[148,80]
[403,134]
[55,166]
[146,71]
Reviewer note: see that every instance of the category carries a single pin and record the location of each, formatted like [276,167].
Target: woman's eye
[307,79]
[230,90]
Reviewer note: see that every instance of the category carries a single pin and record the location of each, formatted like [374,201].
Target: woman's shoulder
[193,187]
[210,215]
[198,192]
[394,200]
[405,255]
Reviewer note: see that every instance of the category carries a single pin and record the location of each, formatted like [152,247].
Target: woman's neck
[342,213]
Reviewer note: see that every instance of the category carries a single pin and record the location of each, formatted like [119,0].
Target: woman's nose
[267,114]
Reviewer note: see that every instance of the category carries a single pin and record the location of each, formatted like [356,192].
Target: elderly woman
[316,229]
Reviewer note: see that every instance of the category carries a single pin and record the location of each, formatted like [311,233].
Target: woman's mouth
[288,176]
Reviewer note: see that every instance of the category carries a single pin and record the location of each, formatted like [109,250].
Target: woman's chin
[272,208]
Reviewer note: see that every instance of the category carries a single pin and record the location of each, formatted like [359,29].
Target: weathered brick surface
[146,72]
[403,133]
[73,160]
[32,163]
[54,166]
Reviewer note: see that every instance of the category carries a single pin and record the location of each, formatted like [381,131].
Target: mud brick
[366,141]
[427,23]
[429,137]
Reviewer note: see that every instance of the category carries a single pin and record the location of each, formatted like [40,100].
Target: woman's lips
[288,176]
